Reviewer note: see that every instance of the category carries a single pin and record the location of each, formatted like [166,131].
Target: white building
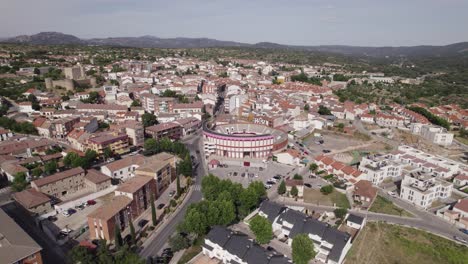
[422,189]
[123,169]
[435,134]
[380,167]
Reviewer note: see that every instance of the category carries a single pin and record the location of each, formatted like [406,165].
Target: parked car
[270,183]
[71,211]
[391,193]
[161,206]
[66,231]
[91,202]
[142,223]
[464,230]
[235,173]
[326,151]
[65,213]
[243,174]
[305,152]
[277,177]
[267,186]
[52,218]
[308,185]
[460,239]
[172,193]
[80,207]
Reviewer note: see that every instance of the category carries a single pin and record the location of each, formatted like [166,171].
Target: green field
[316,197]
[384,206]
[385,243]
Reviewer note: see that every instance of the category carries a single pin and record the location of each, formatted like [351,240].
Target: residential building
[96,181]
[116,142]
[456,214]
[170,130]
[124,168]
[139,189]
[102,221]
[364,192]
[33,201]
[155,104]
[195,107]
[62,183]
[16,246]
[161,170]
[378,168]
[299,184]
[189,125]
[422,189]
[434,134]
[229,247]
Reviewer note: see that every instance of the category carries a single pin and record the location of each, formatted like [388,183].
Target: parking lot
[330,142]
[245,175]
[78,219]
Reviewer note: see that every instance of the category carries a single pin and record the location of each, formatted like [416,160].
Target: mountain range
[57,38]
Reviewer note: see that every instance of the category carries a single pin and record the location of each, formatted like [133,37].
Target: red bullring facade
[243,141]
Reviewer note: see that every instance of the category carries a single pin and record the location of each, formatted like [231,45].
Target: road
[156,242]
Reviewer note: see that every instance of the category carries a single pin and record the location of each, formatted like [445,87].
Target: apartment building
[195,107]
[139,189]
[389,120]
[33,201]
[116,142]
[16,246]
[102,221]
[155,104]
[171,130]
[379,167]
[230,247]
[123,169]
[112,109]
[160,170]
[422,189]
[189,125]
[434,134]
[62,183]
[134,131]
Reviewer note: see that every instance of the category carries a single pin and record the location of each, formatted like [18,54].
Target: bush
[326,189]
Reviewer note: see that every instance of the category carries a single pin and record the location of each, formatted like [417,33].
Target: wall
[71,204]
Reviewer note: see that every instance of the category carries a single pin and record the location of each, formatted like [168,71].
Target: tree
[340,127]
[81,255]
[262,229]
[323,110]
[36,172]
[149,119]
[178,185]
[313,167]
[70,159]
[117,237]
[327,189]
[302,249]
[306,107]
[103,254]
[50,167]
[151,145]
[153,210]
[107,152]
[294,191]
[195,222]
[184,167]
[282,188]
[132,232]
[19,182]
[178,242]
[297,177]
[36,71]
[340,212]
[135,103]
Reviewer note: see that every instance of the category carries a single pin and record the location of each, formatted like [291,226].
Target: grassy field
[316,197]
[384,206]
[384,243]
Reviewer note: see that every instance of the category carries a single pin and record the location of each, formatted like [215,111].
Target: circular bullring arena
[243,141]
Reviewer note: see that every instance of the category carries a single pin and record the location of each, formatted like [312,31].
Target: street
[157,241]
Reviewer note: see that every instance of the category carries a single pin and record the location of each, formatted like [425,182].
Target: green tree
[36,172]
[297,177]
[306,107]
[51,167]
[195,222]
[132,232]
[340,212]
[323,110]
[118,241]
[151,145]
[262,229]
[341,127]
[135,103]
[294,191]
[107,152]
[82,255]
[19,182]
[282,188]
[302,249]
[327,189]
[153,210]
[313,167]
[178,185]
[149,119]
[103,253]
[178,242]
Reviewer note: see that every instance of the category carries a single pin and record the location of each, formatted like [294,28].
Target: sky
[294,22]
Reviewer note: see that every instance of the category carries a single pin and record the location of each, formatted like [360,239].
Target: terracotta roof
[110,209]
[58,176]
[125,162]
[365,189]
[134,184]
[293,182]
[462,205]
[96,177]
[30,198]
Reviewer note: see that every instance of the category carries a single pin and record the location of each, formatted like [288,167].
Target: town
[175,159]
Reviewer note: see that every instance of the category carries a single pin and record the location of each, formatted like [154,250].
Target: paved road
[157,241]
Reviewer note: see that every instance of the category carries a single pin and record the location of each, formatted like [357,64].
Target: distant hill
[56,38]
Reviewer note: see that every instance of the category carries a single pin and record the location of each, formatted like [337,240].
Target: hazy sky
[301,22]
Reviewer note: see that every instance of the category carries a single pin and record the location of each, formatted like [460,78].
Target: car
[464,230]
[80,207]
[198,152]
[229,174]
[308,185]
[391,193]
[460,239]
[243,174]
[91,202]
[273,179]
[66,231]
[71,211]
[267,186]
[305,152]
[161,206]
[167,250]
[270,248]
[321,141]
[142,223]
[66,213]
[52,218]
[172,193]
[235,173]
[270,183]
[260,169]
[326,151]
[277,177]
